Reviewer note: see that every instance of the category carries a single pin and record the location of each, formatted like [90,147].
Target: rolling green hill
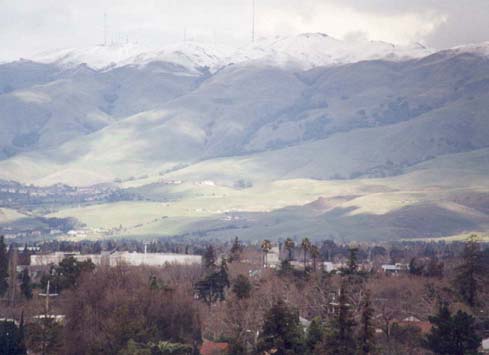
[364,150]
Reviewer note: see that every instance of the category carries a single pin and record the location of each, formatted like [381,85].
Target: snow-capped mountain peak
[303,51]
[96,57]
[190,55]
[475,48]
[317,49]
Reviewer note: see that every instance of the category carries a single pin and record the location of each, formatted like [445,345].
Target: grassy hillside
[367,119]
[439,198]
[359,151]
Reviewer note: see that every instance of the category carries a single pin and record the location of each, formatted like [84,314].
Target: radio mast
[105,29]
[253,22]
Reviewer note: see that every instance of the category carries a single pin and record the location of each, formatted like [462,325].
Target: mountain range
[292,136]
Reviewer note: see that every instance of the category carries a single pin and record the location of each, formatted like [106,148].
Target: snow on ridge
[96,57]
[190,55]
[481,48]
[310,50]
[303,51]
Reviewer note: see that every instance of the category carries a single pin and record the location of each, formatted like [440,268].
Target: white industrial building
[116,258]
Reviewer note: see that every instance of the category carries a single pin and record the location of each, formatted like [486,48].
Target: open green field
[446,197]
[412,205]
[8,215]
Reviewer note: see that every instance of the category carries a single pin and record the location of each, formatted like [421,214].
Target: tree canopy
[282,333]
[452,334]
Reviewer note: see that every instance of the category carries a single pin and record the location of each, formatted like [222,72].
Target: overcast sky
[31,26]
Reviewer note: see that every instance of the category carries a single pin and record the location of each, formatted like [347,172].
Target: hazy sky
[30,26]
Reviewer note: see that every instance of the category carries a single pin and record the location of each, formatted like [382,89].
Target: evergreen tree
[224,276]
[470,272]
[45,336]
[415,268]
[340,338]
[242,287]
[3,267]
[209,258]
[67,273]
[314,335]
[213,287]
[12,338]
[452,335]
[21,338]
[367,331]
[282,333]
[25,256]
[236,250]
[25,284]
[352,261]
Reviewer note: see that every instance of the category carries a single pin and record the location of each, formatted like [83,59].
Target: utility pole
[47,295]
[105,28]
[47,316]
[253,22]
[145,251]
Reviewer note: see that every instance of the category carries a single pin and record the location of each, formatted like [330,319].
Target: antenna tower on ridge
[105,29]
[253,22]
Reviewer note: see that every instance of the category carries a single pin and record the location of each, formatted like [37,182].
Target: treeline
[328,250]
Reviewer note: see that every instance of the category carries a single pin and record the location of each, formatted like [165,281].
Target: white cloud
[339,21]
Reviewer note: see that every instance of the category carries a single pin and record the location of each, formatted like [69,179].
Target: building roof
[213,348]
[424,327]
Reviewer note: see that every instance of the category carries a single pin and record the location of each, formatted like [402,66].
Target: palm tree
[306,246]
[266,245]
[289,245]
[314,255]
